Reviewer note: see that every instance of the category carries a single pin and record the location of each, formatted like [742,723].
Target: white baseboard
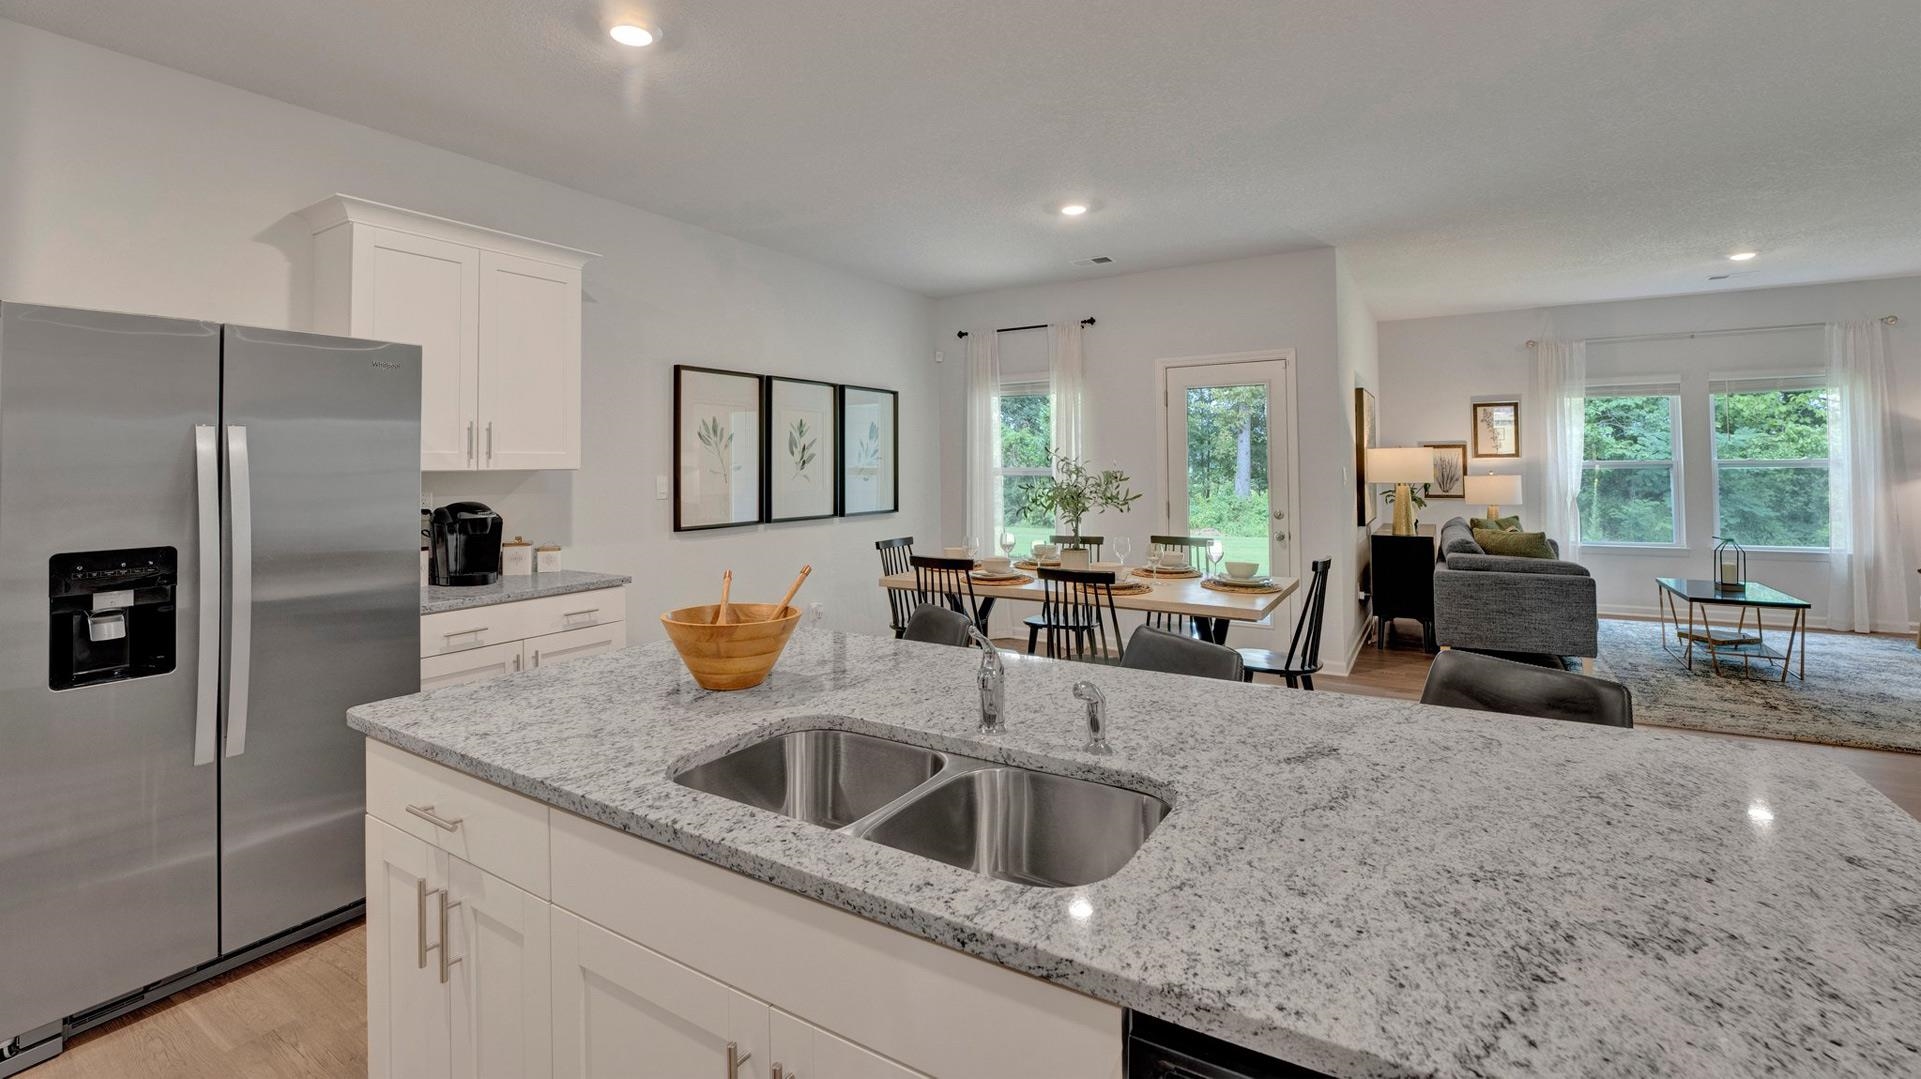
[1345,664]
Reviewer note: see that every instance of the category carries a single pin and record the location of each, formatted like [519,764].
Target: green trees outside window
[1771,466]
[1627,477]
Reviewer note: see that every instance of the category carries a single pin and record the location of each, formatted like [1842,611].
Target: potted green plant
[1074,491]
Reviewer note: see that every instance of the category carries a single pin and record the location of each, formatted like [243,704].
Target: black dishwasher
[1161,1050]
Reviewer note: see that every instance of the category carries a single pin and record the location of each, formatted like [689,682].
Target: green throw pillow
[1514,544]
[1498,524]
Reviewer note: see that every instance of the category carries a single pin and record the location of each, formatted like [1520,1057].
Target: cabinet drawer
[574,644]
[473,665]
[475,627]
[497,830]
[575,610]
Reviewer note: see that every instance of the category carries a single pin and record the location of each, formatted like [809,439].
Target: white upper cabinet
[497,317]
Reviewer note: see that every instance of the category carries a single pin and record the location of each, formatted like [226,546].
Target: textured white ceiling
[1468,154]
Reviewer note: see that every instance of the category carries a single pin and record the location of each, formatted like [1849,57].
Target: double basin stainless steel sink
[1002,821]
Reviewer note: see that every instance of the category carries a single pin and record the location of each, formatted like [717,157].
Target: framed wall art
[869,451]
[800,448]
[1450,470]
[1367,435]
[1497,428]
[717,455]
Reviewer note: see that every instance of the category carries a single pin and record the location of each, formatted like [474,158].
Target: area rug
[1862,691]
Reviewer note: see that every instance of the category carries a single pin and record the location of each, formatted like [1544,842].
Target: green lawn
[1238,548]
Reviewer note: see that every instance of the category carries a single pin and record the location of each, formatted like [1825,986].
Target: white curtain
[1864,538]
[983,437]
[1065,380]
[1560,393]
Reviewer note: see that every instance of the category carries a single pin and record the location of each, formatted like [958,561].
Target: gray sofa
[1495,603]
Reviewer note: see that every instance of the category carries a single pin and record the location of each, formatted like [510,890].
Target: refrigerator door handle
[206,711]
[240,661]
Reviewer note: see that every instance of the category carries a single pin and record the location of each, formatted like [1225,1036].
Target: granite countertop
[436,598]
[1364,886]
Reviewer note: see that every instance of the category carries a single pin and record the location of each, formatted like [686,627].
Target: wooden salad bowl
[737,655]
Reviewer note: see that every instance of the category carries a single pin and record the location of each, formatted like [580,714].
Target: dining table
[1213,610]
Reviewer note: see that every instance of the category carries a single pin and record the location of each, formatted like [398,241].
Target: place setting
[1243,577]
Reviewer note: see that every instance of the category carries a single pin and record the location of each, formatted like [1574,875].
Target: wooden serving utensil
[789,597]
[724,614]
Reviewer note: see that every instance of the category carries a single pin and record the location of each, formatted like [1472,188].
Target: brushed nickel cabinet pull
[470,440]
[735,1058]
[577,614]
[446,961]
[474,632]
[426,813]
[490,440]
[420,919]
[782,1073]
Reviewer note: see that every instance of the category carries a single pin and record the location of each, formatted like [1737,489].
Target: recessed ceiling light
[1742,256]
[1074,209]
[634,36]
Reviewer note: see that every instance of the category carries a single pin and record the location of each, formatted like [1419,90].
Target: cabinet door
[426,292]
[529,363]
[408,1020]
[575,644]
[805,1051]
[500,982]
[473,665]
[622,1011]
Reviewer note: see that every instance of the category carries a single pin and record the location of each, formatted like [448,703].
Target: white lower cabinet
[474,644]
[458,968]
[634,961]
[622,1011]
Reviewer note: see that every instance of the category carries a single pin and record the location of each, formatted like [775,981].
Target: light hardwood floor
[298,1013]
[303,1013]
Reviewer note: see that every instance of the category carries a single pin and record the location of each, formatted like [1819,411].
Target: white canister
[547,558]
[517,558]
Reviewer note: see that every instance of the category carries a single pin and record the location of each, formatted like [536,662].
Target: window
[1629,482]
[1027,430]
[1771,461]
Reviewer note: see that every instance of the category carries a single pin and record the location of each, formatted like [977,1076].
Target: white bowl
[1241,571]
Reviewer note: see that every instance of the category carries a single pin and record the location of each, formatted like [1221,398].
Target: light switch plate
[660,488]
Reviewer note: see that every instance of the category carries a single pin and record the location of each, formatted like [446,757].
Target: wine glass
[1155,552]
[1215,552]
[973,545]
[1122,547]
[1007,544]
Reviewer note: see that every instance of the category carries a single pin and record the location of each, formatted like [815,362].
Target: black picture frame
[828,435]
[855,449]
[683,521]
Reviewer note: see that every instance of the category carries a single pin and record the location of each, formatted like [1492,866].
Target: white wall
[128,186]
[1246,305]
[1432,368]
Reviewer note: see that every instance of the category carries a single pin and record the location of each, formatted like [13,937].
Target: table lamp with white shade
[1494,492]
[1402,466]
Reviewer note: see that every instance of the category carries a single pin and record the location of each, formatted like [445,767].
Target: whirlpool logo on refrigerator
[385,365]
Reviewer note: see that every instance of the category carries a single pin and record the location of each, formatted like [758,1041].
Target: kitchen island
[1358,885]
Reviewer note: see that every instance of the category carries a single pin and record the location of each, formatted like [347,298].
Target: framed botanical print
[869,451]
[1367,436]
[717,458]
[1450,470]
[1497,428]
[800,448]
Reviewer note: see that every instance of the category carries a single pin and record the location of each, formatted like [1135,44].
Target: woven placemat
[1132,588]
[1018,578]
[1167,575]
[1244,589]
[1028,563]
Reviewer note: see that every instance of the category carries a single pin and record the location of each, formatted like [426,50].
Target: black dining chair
[1037,623]
[895,557]
[1303,658]
[1196,547]
[950,582]
[933,624]
[1077,605]
[1092,543]
[1153,649]
[1485,684]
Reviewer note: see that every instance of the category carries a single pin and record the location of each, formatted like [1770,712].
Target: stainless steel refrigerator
[208,552]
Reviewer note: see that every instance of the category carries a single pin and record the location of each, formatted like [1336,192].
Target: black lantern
[1730,566]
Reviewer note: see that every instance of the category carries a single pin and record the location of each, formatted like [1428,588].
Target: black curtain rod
[1036,326]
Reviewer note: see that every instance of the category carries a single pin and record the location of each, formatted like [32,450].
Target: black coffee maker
[465,537]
